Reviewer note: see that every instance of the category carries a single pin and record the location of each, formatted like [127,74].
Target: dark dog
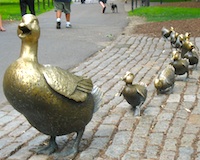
[114,7]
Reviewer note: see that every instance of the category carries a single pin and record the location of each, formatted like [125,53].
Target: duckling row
[184,59]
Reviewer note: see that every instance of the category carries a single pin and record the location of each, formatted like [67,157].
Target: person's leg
[103,6]
[23,7]
[67,10]
[1,25]
[58,18]
[31,6]
[68,24]
[58,8]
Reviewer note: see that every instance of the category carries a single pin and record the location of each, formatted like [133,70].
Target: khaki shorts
[62,6]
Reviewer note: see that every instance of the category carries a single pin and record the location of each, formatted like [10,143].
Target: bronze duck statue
[166,33]
[181,65]
[164,82]
[187,46]
[193,57]
[178,42]
[53,100]
[134,94]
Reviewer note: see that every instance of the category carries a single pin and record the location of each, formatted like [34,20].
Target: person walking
[102,3]
[1,25]
[24,4]
[62,6]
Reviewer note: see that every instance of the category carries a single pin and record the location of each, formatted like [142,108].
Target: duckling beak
[23,30]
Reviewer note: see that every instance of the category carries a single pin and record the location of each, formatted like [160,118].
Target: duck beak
[23,30]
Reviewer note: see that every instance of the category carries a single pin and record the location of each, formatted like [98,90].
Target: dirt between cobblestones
[141,26]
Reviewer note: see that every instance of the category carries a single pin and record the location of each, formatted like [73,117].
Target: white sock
[58,20]
[68,23]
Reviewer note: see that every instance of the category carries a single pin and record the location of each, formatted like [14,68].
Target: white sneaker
[68,26]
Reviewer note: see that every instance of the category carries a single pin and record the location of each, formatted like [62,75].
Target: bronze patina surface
[164,82]
[54,101]
[135,94]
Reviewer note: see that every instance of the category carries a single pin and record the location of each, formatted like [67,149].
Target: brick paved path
[168,129]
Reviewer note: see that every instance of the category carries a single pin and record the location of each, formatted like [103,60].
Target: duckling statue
[181,65]
[193,57]
[135,94]
[187,46]
[173,36]
[178,42]
[166,33]
[53,100]
[164,82]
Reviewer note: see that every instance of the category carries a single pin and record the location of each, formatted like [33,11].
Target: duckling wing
[141,90]
[168,75]
[67,84]
[185,62]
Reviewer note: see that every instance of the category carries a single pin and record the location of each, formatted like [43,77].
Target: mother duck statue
[53,100]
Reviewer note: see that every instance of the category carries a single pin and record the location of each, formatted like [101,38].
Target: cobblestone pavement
[169,126]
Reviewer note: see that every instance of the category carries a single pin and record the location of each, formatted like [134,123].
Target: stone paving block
[194,119]
[20,130]
[165,116]
[88,154]
[189,98]
[178,122]
[138,144]
[105,130]
[22,154]
[5,119]
[2,113]
[167,155]
[191,128]
[115,151]
[155,139]
[10,149]
[187,139]
[127,124]
[152,110]
[196,110]
[152,152]
[174,98]
[122,138]
[185,153]
[170,144]
[174,132]
[40,157]
[171,106]
[161,126]
[4,141]
[99,143]
[27,135]
[131,155]
[182,113]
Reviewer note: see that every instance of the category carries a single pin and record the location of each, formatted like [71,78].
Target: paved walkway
[168,129]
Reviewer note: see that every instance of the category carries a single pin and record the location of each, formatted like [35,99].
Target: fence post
[43,4]
[132,4]
[38,1]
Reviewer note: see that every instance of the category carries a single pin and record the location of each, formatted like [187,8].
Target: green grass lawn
[158,14]
[10,9]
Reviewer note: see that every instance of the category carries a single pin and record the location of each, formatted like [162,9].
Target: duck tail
[98,96]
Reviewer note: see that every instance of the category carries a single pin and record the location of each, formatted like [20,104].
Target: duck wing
[168,75]
[184,62]
[141,90]
[67,84]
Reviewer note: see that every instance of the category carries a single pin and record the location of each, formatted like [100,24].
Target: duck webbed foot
[49,149]
[137,110]
[74,150]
